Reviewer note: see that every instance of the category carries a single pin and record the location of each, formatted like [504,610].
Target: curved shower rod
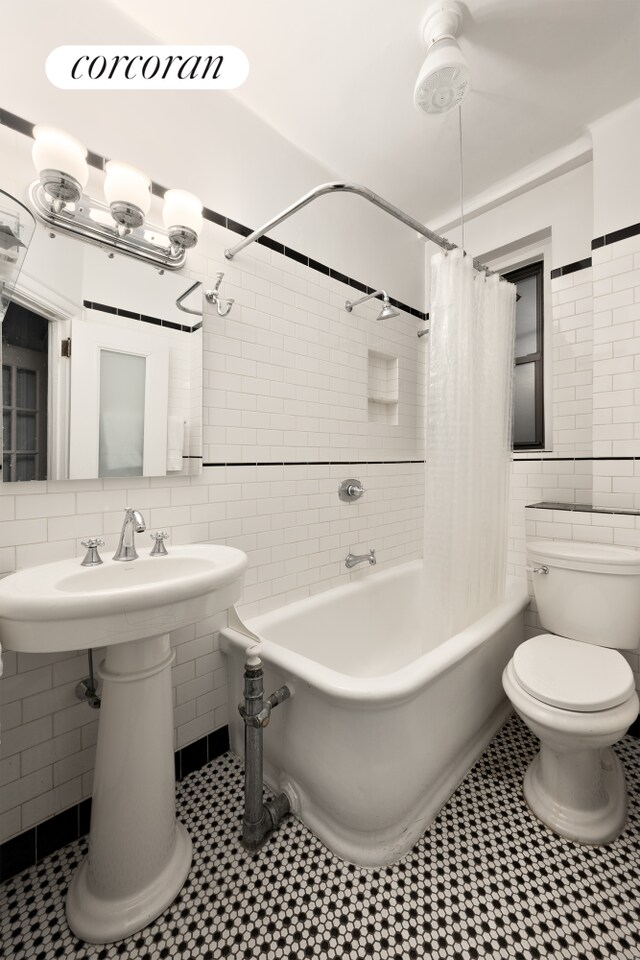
[341,186]
[183,296]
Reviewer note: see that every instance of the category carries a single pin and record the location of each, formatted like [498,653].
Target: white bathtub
[380,729]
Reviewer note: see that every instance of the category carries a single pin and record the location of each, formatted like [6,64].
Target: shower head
[387,311]
[443,81]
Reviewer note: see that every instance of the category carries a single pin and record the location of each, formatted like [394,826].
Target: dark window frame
[25,345]
[535,270]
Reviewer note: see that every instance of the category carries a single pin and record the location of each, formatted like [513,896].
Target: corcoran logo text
[149,67]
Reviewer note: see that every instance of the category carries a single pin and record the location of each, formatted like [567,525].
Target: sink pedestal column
[139,855]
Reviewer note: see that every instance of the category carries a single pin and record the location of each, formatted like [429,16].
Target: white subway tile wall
[572,308]
[616,368]
[285,379]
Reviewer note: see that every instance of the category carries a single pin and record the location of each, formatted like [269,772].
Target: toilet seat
[572,675]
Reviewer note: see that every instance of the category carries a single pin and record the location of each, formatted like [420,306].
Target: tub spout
[260,818]
[351,560]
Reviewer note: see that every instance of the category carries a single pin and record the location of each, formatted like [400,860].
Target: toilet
[573,688]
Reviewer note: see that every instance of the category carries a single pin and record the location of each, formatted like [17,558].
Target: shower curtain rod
[340,186]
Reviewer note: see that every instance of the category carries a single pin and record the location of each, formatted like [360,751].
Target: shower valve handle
[350,490]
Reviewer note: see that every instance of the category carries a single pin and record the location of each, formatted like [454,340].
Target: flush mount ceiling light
[444,80]
[58,199]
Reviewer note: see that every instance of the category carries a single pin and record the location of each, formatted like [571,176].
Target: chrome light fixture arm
[91,220]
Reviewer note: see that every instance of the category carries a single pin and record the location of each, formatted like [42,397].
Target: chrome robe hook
[213,296]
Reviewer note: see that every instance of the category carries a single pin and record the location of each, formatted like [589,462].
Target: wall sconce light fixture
[58,199]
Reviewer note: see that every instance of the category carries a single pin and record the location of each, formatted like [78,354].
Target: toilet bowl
[574,690]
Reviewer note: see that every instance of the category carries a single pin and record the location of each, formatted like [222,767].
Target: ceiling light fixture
[58,198]
[444,80]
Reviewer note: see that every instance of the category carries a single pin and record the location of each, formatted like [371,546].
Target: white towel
[175,442]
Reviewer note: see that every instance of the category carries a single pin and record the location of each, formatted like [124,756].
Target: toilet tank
[591,592]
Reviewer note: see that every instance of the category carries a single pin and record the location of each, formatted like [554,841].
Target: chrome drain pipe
[259,818]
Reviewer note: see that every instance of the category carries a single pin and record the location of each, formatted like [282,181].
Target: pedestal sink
[139,855]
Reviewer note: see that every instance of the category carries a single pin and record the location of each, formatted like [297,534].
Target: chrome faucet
[351,560]
[133,523]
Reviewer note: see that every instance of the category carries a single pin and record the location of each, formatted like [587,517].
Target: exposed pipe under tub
[260,818]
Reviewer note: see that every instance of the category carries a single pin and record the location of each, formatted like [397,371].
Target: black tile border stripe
[95,160]
[571,268]
[16,123]
[623,234]
[369,463]
[142,317]
[312,463]
[28,848]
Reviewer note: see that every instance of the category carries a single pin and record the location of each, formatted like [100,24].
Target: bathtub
[380,729]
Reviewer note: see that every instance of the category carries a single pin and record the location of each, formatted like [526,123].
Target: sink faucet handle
[92,558]
[159,549]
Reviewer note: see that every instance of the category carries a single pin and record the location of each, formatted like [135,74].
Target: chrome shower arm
[350,304]
[340,186]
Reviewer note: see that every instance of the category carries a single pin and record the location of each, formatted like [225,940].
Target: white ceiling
[336,79]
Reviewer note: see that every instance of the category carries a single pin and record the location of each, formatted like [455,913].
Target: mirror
[17,225]
[101,366]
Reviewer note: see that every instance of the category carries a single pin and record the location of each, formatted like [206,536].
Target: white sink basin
[65,606]
[139,855]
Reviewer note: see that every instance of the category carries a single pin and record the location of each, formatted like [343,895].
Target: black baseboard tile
[193,757]
[57,832]
[17,854]
[634,729]
[84,816]
[218,743]
[33,845]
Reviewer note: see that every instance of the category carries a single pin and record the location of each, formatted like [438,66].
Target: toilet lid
[572,675]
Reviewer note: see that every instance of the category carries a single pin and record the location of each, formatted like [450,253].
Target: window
[528,411]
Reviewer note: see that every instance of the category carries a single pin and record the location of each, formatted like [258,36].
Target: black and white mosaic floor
[486,880]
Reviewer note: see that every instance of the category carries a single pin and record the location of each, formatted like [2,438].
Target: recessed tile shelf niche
[382,388]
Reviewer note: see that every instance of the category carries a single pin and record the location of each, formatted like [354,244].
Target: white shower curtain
[468,443]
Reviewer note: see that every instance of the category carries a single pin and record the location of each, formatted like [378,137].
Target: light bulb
[128,193]
[182,217]
[61,163]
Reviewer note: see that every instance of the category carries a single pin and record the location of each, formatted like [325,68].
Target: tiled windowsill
[581,508]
